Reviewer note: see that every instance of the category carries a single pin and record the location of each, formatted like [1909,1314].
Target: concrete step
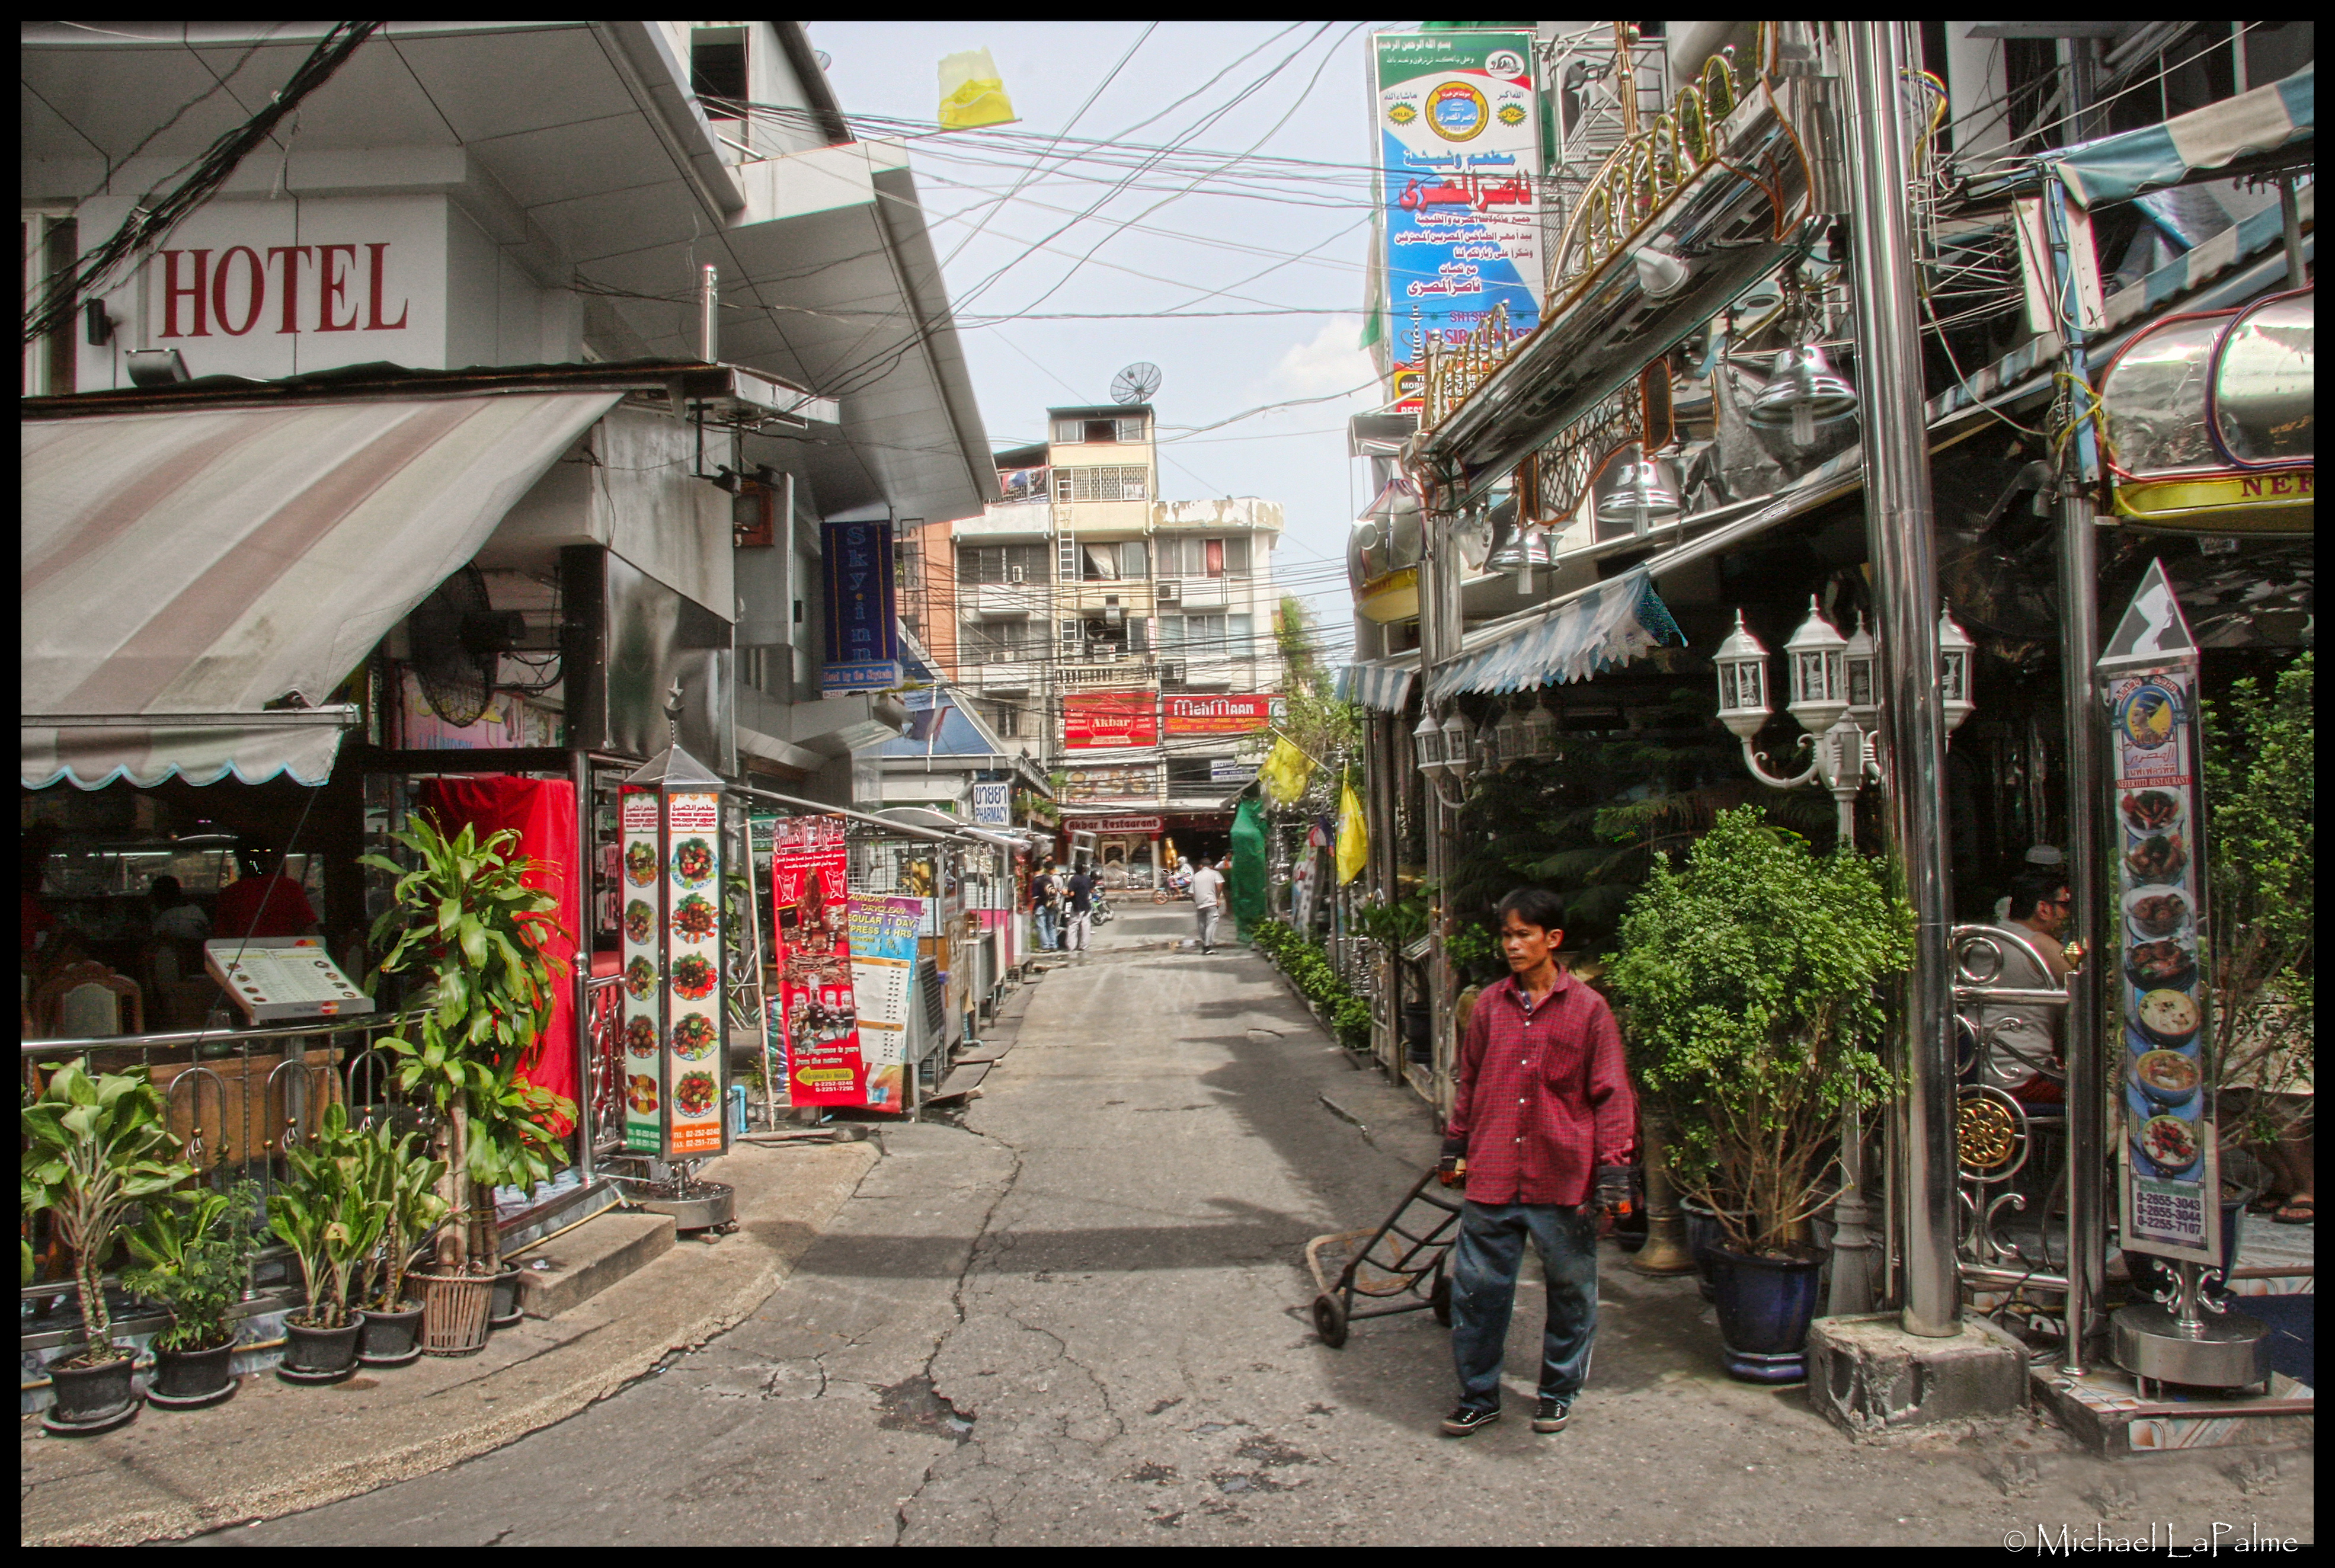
[588,1260]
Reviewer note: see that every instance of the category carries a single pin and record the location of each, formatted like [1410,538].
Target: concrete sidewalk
[276,1450]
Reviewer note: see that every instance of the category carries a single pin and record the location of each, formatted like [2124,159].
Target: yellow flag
[1286,773]
[972,92]
[1353,836]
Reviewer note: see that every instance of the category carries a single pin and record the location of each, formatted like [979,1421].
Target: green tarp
[1248,866]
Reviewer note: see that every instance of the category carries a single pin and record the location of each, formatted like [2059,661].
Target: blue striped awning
[1618,620]
[2116,167]
[1381,685]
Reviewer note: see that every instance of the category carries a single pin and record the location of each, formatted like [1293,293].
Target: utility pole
[1900,533]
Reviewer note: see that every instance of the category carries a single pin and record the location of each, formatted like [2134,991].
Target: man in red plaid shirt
[1543,1123]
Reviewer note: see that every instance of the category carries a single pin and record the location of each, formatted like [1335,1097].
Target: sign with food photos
[2170,1196]
[811,898]
[670,921]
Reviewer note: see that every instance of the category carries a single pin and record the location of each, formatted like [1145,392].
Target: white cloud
[1328,363]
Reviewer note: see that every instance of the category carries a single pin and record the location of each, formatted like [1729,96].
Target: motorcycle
[1100,912]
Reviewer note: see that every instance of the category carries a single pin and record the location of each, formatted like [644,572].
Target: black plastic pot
[503,1309]
[91,1398]
[319,1355]
[1418,1031]
[1765,1306]
[390,1338]
[190,1379]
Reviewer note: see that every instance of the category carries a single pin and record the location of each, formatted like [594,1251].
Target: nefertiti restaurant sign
[1097,720]
[1204,715]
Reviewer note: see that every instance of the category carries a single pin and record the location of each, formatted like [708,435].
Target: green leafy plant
[402,1185]
[326,1215]
[94,1147]
[463,917]
[196,1249]
[2262,847]
[1750,980]
[1316,979]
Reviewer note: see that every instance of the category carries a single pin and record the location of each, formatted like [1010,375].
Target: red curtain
[542,811]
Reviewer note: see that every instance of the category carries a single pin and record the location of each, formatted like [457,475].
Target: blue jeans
[1048,939]
[1484,1265]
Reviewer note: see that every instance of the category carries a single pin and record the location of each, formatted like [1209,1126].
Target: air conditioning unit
[1013,574]
[1170,591]
[1171,672]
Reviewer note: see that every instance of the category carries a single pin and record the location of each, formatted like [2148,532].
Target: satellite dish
[1136,383]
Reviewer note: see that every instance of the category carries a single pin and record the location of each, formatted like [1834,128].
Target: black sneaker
[1549,1415]
[1464,1420]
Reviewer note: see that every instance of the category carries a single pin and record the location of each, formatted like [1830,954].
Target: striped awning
[2116,168]
[1618,620]
[1381,685]
[202,569]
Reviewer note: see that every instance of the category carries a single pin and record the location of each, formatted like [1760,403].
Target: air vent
[1170,591]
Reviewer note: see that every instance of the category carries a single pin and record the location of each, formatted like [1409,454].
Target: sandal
[2296,1212]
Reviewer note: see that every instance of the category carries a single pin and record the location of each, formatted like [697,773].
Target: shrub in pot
[323,1213]
[1752,980]
[95,1148]
[402,1185]
[196,1250]
[484,942]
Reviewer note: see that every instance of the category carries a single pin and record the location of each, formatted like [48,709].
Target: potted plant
[464,920]
[1750,980]
[196,1252]
[402,1187]
[94,1148]
[324,1214]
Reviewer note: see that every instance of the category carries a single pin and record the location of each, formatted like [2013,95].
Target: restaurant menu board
[672,974]
[2171,1191]
[276,977]
[810,902]
[883,978]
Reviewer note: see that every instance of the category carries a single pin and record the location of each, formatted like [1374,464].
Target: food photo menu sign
[670,861]
[810,900]
[2171,1193]
[882,978]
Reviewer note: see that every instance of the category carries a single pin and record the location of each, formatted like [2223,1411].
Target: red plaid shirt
[1543,1098]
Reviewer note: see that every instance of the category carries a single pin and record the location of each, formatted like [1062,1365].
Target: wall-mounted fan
[455,638]
[1136,383]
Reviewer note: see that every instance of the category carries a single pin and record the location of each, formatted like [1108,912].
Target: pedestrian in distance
[1079,894]
[1208,903]
[1543,1121]
[1046,907]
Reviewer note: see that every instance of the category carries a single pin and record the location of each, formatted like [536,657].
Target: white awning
[202,564]
[1380,686]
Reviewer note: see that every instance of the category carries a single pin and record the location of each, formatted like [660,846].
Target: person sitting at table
[2023,1056]
[263,902]
[177,916]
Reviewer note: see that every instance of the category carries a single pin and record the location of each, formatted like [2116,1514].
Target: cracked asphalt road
[1081,1318]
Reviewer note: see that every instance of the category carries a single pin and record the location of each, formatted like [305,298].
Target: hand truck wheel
[1330,1321]
[1439,1300]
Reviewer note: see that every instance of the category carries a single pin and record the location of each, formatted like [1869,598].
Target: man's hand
[1453,1170]
[1617,1185]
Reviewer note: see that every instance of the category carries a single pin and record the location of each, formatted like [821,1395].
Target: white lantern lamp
[1819,685]
[1426,745]
[1540,734]
[1955,651]
[1514,744]
[1861,663]
[1457,739]
[1489,754]
[1742,665]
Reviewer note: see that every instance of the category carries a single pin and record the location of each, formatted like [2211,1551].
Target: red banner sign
[1218,715]
[1103,718]
[1116,824]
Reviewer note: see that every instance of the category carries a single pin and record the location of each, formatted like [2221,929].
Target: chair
[88,1001]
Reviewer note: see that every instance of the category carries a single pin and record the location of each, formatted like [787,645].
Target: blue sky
[1287,238]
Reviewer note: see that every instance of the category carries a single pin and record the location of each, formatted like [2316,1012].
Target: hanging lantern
[1861,663]
[1457,737]
[1540,734]
[1804,405]
[1742,665]
[1426,745]
[1513,743]
[1489,756]
[1954,650]
[1819,696]
[1635,493]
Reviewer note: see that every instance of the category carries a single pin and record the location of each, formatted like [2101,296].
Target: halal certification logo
[1512,114]
[1402,114]
[1457,112]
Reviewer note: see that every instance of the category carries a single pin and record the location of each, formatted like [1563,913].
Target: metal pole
[2087,1164]
[1438,627]
[1900,533]
[709,312]
[580,770]
[2290,215]
[1852,1243]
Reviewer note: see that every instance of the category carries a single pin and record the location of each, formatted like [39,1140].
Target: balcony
[1194,592]
[1014,600]
[1102,674]
[1016,520]
[1000,671]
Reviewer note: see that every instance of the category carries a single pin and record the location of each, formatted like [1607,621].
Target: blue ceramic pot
[1703,1233]
[1765,1306]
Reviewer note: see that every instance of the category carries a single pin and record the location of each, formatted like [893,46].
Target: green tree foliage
[2262,852]
[195,1247]
[326,1215]
[1749,981]
[1309,967]
[1327,730]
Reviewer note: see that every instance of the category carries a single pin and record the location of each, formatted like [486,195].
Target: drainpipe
[709,318]
[1903,545]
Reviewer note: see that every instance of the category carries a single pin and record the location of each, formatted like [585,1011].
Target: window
[908,567]
[1236,554]
[1194,557]
[996,641]
[1003,564]
[1005,718]
[1114,563]
[717,71]
[1102,484]
[1209,636]
[1085,432]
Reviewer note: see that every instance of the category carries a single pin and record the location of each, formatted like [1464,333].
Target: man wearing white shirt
[1207,900]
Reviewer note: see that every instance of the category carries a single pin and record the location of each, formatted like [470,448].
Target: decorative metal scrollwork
[1986,1136]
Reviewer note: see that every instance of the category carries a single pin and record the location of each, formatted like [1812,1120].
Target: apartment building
[1122,641]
